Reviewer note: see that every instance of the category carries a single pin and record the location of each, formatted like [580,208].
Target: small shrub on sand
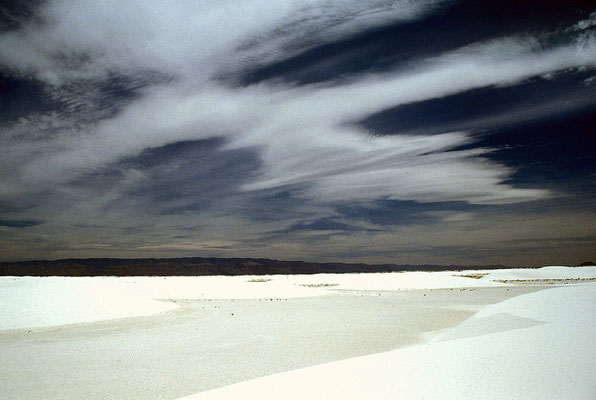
[473,276]
[316,285]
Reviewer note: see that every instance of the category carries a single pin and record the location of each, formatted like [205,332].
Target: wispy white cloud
[175,55]
[305,136]
[81,39]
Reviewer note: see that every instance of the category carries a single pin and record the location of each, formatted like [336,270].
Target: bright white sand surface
[35,302]
[535,346]
[163,338]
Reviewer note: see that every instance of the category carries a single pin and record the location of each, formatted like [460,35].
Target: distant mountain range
[198,266]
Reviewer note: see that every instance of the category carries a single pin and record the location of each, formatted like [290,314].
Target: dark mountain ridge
[200,266]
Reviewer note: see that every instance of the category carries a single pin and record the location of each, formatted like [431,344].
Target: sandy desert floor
[207,343]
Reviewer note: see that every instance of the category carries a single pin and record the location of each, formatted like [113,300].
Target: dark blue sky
[421,132]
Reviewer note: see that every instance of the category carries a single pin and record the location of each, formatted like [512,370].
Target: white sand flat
[108,337]
[555,359]
[28,302]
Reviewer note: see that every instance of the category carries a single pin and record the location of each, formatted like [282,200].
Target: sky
[408,132]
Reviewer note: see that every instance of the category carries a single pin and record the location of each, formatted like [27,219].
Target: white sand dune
[32,302]
[29,302]
[197,335]
[503,359]
[37,302]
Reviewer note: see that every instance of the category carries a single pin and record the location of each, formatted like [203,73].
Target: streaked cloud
[129,82]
